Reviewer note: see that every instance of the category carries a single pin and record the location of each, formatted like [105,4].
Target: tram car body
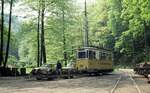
[94,60]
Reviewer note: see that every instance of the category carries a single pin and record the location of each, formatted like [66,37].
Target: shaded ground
[93,84]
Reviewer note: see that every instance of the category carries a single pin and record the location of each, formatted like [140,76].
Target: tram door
[82,59]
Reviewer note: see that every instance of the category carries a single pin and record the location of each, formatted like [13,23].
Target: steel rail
[135,84]
[117,83]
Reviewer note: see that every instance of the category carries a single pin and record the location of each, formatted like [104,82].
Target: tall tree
[42,32]
[53,32]
[2,30]
[38,39]
[9,34]
[64,38]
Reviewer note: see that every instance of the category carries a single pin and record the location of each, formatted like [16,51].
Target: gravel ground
[92,84]
[126,83]
[142,83]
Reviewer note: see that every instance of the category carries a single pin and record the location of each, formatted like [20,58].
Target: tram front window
[92,55]
[81,54]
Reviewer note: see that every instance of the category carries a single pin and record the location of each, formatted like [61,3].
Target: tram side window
[92,55]
[81,54]
[103,56]
[97,55]
[109,57]
[100,57]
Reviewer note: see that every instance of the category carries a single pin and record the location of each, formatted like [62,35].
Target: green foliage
[27,44]
[132,40]
[116,24]
[13,61]
[120,25]
[53,33]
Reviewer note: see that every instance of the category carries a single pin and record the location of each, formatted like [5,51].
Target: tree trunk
[42,33]
[146,44]
[64,38]
[2,30]
[9,34]
[41,55]
[38,41]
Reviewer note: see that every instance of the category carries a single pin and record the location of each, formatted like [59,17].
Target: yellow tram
[93,59]
[89,60]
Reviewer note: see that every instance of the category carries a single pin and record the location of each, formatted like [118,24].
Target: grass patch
[28,70]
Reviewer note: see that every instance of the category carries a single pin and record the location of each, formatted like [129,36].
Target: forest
[34,32]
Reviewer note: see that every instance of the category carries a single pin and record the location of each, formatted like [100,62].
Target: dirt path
[93,84]
[126,84]
[142,83]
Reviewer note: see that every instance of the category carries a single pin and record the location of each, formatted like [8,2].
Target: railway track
[125,84]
